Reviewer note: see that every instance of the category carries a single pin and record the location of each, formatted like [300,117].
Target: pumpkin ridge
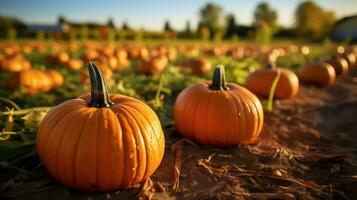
[238,118]
[49,149]
[153,133]
[142,145]
[127,140]
[206,116]
[259,120]
[68,168]
[247,112]
[70,115]
[76,150]
[120,146]
[242,118]
[134,130]
[98,111]
[44,142]
[193,110]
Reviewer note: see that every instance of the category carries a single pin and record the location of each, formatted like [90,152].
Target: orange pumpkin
[155,65]
[32,81]
[260,81]
[217,113]
[200,66]
[56,77]
[350,58]
[322,74]
[101,142]
[74,64]
[339,64]
[14,63]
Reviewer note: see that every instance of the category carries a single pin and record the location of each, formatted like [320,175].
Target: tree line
[311,21]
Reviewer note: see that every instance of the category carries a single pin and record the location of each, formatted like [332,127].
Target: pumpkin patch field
[177,120]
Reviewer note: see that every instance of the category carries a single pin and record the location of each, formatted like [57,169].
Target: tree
[313,21]
[212,17]
[167,26]
[125,26]
[263,33]
[188,28]
[111,23]
[231,25]
[61,20]
[264,12]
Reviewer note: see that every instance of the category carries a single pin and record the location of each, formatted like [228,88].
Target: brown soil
[307,150]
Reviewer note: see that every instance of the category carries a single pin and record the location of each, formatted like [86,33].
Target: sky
[151,14]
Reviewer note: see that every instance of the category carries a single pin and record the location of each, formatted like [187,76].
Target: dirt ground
[307,150]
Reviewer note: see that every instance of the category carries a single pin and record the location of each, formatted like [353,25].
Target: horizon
[140,15]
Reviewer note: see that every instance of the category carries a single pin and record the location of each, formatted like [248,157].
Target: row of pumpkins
[104,142]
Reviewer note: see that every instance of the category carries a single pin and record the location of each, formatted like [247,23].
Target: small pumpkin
[101,142]
[260,81]
[74,64]
[33,81]
[218,113]
[200,66]
[340,65]
[14,63]
[321,74]
[56,77]
[155,65]
[350,58]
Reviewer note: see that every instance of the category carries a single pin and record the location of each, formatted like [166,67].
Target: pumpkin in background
[14,63]
[56,77]
[200,66]
[322,74]
[122,58]
[90,54]
[62,57]
[218,113]
[155,65]
[350,58]
[339,64]
[101,142]
[74,64]
[260,81]
[32,81]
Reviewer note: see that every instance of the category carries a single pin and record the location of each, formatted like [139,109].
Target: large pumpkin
[322,74]
[217,113]
[101,142]
[260,82]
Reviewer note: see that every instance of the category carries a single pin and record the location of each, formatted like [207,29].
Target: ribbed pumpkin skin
[216,117]
[321,74]
[260,82]
[101,149]
[340,65]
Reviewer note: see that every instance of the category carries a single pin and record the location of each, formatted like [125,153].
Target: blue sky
[152,14]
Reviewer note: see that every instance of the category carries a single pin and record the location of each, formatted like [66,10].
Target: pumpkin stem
[99,93]
[219,79]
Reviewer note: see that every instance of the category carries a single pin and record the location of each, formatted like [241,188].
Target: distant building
[345,29]
[56,28]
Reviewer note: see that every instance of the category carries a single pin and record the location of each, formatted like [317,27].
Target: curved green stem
[13,104]
[99,93]
[219,79]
